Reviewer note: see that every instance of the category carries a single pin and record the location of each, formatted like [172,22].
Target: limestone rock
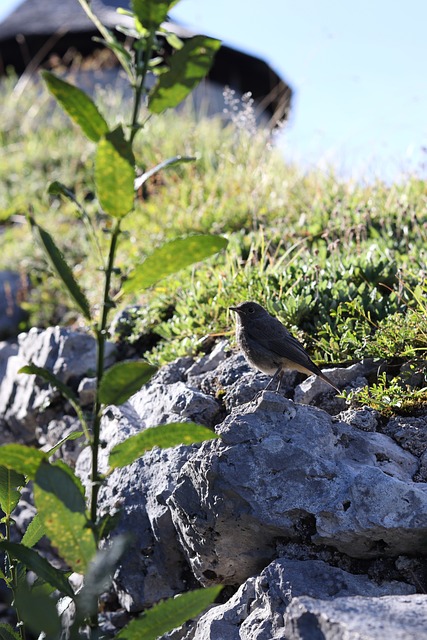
[357,618]
[284,474]
[87,391]
[154,567]
[209,362]
[287,471]
[409,432]
[236,383]
[259,608]
[366,419]
[23,398]
[175,402]
[313,388]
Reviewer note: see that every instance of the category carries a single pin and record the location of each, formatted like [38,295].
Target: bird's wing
[283,343]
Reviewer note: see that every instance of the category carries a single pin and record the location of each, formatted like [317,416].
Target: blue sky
[358,70]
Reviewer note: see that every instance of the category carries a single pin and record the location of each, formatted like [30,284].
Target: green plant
[74,527]
[389,396]
[399,338]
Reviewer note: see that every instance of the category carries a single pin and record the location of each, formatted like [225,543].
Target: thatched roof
[41,17]
[39,28]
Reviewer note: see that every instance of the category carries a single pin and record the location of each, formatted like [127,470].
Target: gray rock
[210,361]
[117,424]
[282,474]
[421,475]
[410,433]
[8,350]
[175,371]
[366,419]
[24,398]
[175,402]
[259,607]
[309,391]
[13,290]
[287,471]
[87,391]
[154,567]
[357,618]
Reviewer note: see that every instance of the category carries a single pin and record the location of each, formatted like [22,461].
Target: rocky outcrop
[314,519]
[283,470]
[274,604]
[27,400]
[353,618]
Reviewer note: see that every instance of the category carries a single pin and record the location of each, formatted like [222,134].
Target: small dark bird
[268,346]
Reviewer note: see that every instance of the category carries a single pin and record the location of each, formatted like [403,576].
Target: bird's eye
[251,309]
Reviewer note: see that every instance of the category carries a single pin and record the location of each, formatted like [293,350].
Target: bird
[269,347]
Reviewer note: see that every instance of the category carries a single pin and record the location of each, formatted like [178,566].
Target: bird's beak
[236,309]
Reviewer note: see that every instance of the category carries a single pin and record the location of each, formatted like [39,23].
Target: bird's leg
[277,376]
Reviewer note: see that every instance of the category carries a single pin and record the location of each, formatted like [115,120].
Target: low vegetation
[342,264]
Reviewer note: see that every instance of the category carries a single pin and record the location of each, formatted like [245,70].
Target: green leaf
[115,173]
[173,40]
[71,436]
[140,180]
[169,614]
[35,531]
[41,586]
[10,480]
[107,523]
[33,369]
[7,633]
[38,611]
[164,436]
[60,502]
[78,105]
[41,567]
[187,67]
[58,263]
[151,13]
[60,480]
[172,257]
[23,459]
[124,379]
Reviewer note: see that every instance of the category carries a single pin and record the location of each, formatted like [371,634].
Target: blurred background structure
[357,71]
[47,32]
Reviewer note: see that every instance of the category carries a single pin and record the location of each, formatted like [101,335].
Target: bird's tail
[326,379]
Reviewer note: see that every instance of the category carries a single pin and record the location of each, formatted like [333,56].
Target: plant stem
[108,37]
[13,577]
[139,88]
[101,337]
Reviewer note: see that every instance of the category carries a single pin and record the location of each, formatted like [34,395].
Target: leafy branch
[63,514]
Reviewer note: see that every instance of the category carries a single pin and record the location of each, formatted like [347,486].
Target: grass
[341,263]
